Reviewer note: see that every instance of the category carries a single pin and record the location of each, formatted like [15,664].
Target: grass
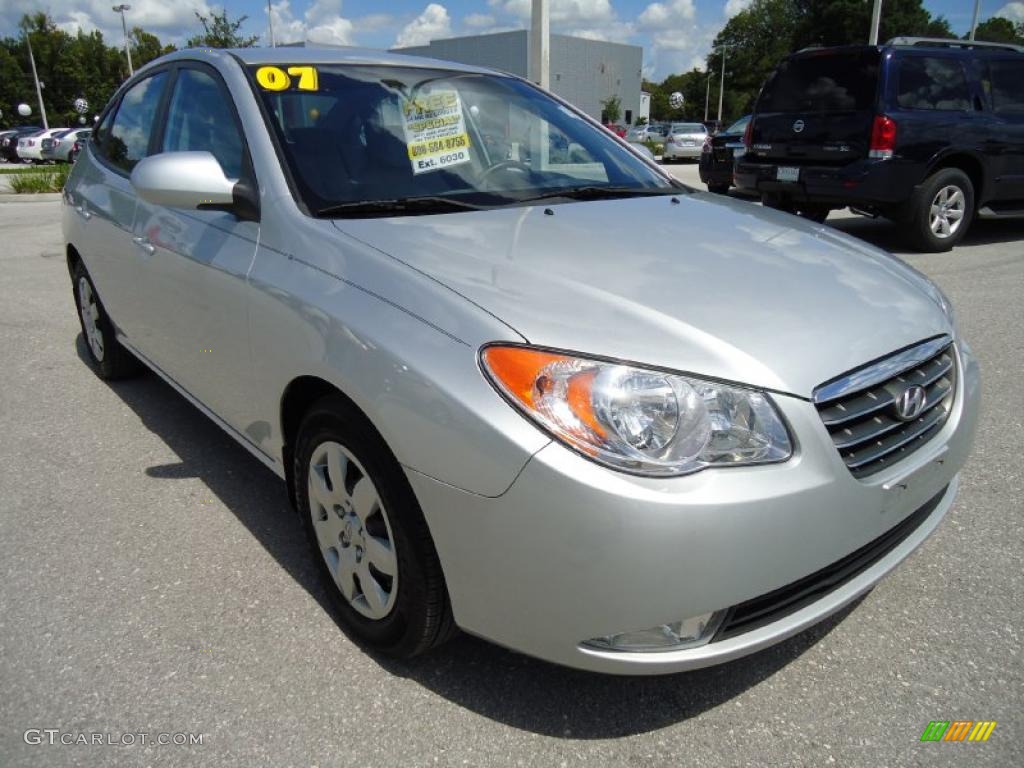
[18,168]
[47,181]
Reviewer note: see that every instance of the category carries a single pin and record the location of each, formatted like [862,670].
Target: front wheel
[368,535]
[941,210]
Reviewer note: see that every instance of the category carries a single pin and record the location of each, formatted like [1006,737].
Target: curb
[30,197]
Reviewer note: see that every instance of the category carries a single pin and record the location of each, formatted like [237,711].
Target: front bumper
[574,551]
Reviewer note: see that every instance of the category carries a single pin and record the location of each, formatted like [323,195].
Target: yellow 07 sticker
[276,79]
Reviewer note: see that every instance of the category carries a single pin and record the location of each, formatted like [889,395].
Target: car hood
[697,283]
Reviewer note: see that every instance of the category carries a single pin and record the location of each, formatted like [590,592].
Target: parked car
[59,147]
[488,413]
[76,148]
[639,133]
[9,142]
[684,142]
[30,147]
[928,133]
[718,153]
[618,130]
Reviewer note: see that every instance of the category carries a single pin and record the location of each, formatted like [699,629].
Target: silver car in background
[406,287]
[684,141]
[58,147]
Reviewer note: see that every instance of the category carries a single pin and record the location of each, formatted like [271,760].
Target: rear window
[688,128]
[932,82]
[836,82]
[1006,86]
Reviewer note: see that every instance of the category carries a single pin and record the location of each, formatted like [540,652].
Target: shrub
[30,183]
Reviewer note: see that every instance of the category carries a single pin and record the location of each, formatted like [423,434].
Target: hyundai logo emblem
[798,126]
[910,404]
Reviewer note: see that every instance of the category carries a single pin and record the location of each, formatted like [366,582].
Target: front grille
[789,599]
[861,409]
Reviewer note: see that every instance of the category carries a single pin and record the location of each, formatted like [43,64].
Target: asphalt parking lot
[155,581]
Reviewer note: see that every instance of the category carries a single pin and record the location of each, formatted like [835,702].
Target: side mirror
[193,180]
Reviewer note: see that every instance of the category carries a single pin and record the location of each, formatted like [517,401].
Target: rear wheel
[941,210]
[110,360]
[367,534]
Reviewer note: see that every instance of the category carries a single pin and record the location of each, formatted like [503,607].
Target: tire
[719,189]
[109,359]
[778,203]
[816,213]
[364,524]
[925,230]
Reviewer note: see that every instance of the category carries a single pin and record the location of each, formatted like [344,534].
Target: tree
[147,47]
[220,32]
[999,30]
[611,109]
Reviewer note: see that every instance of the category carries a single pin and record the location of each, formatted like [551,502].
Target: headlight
[639,420]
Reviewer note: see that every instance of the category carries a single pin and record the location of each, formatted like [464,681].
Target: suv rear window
[833,82]
[932,82]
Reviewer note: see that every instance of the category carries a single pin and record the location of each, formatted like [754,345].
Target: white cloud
[1012,11]
[432,24]
[479,20]
[676,12]
[321,23]
[561,11]
[732,7]
[170,21]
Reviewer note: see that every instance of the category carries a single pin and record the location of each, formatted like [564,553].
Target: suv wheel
[941,210]
[367,533]
[110,360]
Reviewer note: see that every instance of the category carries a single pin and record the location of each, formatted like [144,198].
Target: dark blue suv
[928,133]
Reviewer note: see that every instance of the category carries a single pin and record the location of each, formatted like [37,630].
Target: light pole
[876,15]
[707,97]
[124,27]
[721,87]
[540,42]
[35,76]
[974,22]
[270,18]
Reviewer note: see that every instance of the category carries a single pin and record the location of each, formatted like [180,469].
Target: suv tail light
[883,138]
[748,134]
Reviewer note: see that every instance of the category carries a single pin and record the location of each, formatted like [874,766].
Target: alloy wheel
[90,311]
[353,530]
[947,211]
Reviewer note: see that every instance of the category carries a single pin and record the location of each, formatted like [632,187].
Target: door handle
[144,245]
[81,211]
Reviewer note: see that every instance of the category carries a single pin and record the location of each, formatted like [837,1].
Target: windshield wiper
[428,204]
[601,192]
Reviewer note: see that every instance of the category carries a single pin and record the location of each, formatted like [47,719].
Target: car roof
[314,55]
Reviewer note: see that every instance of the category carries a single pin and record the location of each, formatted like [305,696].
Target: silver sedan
[684,141]
[410,289]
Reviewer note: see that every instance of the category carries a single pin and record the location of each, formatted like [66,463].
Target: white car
[30,148]
[684,141]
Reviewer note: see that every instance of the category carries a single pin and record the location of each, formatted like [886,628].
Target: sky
[675,34]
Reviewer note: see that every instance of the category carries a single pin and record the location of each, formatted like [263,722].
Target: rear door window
[834,82]
[932,82]
[1006,86]
[128,140]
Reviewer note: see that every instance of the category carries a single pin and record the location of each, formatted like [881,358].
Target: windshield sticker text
[277,79]
[435,131]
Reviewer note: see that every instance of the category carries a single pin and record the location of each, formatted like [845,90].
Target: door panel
[1005,141]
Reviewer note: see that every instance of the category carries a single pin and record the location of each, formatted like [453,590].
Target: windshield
[739,126]
[831,82]
[361,134]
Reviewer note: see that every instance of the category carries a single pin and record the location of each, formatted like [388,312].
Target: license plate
[689,143]
[783,173]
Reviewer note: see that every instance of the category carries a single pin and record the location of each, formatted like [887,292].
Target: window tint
[200,118]
[1007,86]
[830,82]
[128,140]
[927,82]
